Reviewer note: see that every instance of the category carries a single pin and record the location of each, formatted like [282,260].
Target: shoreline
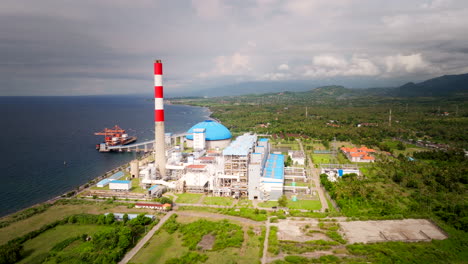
[75,190]
[91,182]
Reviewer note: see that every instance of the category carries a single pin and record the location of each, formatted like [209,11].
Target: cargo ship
[115,136]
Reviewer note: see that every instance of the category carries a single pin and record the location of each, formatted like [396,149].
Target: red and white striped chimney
[159,146]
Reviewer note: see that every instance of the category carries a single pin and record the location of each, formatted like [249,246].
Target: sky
[91,47]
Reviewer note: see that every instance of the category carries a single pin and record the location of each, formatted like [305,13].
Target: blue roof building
[216,135]
[213,130]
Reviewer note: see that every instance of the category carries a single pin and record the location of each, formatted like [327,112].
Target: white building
[297,157]
[120,185]
[199,138]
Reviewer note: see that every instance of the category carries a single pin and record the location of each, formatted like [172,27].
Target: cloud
[435,4]
[209,9]
[236,64]
[65,46]
[283,67]
[409,63]
[331,66]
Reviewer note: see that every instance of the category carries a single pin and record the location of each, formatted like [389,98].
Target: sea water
[48,143]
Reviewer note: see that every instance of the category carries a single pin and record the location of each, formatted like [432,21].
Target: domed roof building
[214,135]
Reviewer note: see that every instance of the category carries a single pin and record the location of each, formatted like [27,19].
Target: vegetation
[114,241]
[250,213]
[24,214]
[283,201]
[191,198]
[188,258]
[225,201]
[273,244]
[200,240]
[396,188]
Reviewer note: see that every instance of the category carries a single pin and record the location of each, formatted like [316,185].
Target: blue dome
[213,130]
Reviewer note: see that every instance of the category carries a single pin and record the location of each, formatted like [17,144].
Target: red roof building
[361,154]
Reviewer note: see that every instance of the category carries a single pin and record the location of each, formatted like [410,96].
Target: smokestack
[159,145]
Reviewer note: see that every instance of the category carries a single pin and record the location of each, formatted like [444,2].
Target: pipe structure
[159,145]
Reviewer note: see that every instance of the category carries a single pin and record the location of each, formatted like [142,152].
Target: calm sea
[39,134]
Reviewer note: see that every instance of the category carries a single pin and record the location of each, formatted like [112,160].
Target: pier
[145,146]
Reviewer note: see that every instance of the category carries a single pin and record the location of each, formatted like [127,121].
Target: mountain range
[447,85]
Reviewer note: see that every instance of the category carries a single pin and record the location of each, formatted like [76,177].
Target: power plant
[159,137]
[206,159]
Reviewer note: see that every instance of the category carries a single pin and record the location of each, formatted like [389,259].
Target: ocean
[48,143]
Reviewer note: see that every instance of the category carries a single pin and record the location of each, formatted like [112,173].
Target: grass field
[320,158]
[299,204]
[268,204]
[298,183]
[58,212]
[38,247]
[161,247]
[136,186]
[305,204]
[245,203]
[226,201]
[164,246]
[190,198]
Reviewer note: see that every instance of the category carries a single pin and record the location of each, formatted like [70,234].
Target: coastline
[78,189]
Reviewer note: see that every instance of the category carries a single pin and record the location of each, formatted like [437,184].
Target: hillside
[447,85]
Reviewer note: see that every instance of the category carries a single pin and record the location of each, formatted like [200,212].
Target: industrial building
[240,168]
[336,171]
[119,185]
[216,136]
[297,157]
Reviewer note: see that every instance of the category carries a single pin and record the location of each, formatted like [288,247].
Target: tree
[110,218]
[125,218]
[283,201]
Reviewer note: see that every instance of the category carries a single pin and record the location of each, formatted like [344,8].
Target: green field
[320,158]
[136,186]
[268,204]
[57,212]
[299,204]
[305,204]
[161,247]
[244,203]
[164,246]
[226,201]
[38,247]
[298,183]
[190,198]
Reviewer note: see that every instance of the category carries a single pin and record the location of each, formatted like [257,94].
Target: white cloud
[329,61]
[398,21]
[408,63]
[331,66]
[300,7]
[283,67]
[209,9]
[236,64]
[435,4]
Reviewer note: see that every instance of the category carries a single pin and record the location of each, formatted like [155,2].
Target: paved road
[265,243]
[145,239]
[313,172]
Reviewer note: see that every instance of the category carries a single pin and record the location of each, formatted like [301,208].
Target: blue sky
[107,47]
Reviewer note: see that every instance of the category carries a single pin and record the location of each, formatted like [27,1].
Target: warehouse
[119,185]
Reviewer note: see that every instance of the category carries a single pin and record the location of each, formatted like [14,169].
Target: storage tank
[134,169]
